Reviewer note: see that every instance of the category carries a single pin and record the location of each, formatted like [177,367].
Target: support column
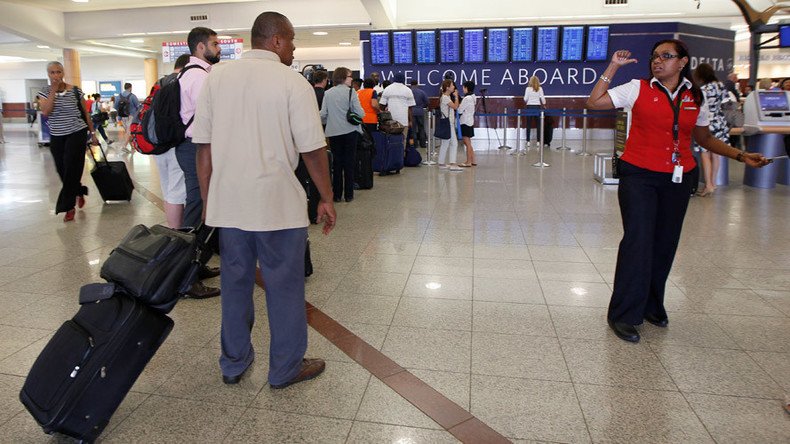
[151,74]
[71,66]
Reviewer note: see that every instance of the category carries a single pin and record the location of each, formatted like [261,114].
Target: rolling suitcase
[363,173]
[92,361]
[112,179]
[389,153]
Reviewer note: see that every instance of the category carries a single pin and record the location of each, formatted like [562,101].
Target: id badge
[677,174]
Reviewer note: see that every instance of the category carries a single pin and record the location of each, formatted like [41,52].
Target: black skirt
[467,131]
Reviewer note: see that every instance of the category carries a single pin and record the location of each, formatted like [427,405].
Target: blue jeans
[186,154]
[280,255]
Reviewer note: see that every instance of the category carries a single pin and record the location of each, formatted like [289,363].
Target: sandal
[464,165]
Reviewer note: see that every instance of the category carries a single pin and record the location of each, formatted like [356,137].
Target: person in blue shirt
[127,107]
[418,115]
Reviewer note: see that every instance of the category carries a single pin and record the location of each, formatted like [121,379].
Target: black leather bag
[442,128]
[154,265]
[615,165]
[352,117]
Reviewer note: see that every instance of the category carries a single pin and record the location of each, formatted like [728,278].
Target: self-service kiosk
[766,125]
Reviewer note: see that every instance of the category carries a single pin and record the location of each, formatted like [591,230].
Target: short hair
[399,77]
[198,35]
[339,75]
[319,76]
[413,83]
[386,83]
[54,62]
[96,96]
[356,82]
[127,86]
[267,25]
[446,84]
[181,61]
[470,86]
[704,74]
[368,83]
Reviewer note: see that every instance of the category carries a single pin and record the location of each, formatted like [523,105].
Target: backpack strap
[187,68]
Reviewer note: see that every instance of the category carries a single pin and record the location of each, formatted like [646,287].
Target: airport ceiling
[40,29]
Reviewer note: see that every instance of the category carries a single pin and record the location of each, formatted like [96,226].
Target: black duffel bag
[155,265]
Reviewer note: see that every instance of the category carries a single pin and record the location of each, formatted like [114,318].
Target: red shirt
[650,144]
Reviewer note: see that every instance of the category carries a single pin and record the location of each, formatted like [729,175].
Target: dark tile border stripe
[453,418]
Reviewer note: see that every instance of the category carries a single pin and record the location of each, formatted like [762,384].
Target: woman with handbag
[342,114]
[445,126]
[98,117]
[69,125]
[715,95]
[655,173]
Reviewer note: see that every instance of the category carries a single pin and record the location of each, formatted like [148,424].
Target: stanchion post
[541,163]
[563,146]
[429,119]
[504,138]
[517,150]
[584,152]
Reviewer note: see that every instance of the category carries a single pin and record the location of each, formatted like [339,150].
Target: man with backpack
[205,51]
[127,107]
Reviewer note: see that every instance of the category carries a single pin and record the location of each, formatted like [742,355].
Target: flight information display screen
[474,44]
[402,47]
[498,44]
[522,44]
[380,48]
[597,43]
[572,43]
[426,46]
[548,44]
[450,46]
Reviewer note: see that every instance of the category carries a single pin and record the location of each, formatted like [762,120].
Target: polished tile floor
[489,285]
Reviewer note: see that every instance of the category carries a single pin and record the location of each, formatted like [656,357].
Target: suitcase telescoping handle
[103,154]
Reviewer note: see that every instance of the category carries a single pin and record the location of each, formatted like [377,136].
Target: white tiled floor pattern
[515,333]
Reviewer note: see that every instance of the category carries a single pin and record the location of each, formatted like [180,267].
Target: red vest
[649,143]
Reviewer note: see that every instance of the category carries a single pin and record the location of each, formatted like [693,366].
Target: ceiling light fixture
[42,46]
[136,40]
[224,37]
[320,33]
[344,43]
[80,1]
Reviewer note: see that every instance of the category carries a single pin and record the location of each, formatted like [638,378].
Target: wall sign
[230,49]
[558,77]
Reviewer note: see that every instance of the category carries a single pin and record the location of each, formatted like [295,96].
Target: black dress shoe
[235,379]
[336,199]
[655,320]
[626,332]
[349,199]
[200,291]
[207,272]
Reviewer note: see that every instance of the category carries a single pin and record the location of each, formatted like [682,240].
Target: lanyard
[676,117]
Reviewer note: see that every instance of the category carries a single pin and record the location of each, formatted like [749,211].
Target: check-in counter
[766,123]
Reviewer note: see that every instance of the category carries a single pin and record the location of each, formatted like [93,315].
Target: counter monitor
[784,36]
[572,43]
[449,46]
[474,44]
[773,101]
[426,46]
[522,45]
[498,44]
[597,43]
[548,44]
[380,48]
[402,47]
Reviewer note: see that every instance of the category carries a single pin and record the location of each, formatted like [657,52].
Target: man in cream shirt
[255,116]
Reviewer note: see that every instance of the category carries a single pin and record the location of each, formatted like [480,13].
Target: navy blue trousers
[652,208]
[280,255]
[186,154]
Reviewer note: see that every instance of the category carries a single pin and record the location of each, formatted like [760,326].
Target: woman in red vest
[655,172]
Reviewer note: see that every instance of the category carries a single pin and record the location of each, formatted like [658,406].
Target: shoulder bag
[352,117]
[442,130]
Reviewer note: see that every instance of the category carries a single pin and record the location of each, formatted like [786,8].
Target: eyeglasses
[663,56]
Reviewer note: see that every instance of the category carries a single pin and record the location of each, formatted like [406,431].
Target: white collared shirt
[625,95]
[258,115]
